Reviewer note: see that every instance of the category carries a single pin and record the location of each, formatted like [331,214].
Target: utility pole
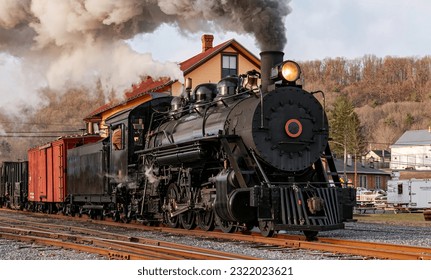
[345,159]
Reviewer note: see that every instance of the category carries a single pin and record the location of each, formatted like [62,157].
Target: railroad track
[337,246]
[114,246]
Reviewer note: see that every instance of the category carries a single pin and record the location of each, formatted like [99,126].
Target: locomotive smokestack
[268,59]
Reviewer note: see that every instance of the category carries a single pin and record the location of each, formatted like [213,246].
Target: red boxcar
[47,166]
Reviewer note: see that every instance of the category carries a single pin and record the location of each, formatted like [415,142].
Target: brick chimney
[207,42]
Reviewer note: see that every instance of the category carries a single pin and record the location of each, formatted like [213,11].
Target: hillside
[61,114]
[390,95]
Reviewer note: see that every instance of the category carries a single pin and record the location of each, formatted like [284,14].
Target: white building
[412,151]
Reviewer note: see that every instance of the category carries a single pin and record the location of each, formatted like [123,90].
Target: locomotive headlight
[288,70]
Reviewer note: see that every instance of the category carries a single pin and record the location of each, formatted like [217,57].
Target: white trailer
[412,194]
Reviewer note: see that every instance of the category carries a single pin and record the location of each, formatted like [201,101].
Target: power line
[31,136]
[41,134]
[57,131]
[31,123]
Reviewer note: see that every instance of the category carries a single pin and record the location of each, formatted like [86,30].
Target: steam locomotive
[248,151]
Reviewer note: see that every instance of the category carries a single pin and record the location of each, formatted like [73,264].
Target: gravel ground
[377,232]
[13,250]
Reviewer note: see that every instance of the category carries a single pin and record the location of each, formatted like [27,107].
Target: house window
[229,65]
[363,181]
[378,182]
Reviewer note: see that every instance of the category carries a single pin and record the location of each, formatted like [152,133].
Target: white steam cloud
[72,43]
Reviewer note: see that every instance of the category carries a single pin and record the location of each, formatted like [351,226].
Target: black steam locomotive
[233,154]
[249,151]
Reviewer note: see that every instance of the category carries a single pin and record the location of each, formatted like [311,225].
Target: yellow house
[215,63]
[212,64]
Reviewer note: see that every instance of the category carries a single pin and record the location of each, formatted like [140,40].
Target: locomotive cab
[128,130]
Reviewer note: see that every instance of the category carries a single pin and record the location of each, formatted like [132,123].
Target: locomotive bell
[251,80]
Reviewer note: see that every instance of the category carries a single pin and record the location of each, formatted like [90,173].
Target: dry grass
[392,218]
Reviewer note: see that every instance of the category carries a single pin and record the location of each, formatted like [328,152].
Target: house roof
[145,87]
[382,153]
[150,85]
[360,169]
[414,138]
[194,62]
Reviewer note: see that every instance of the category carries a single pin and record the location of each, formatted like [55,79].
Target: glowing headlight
[288,71]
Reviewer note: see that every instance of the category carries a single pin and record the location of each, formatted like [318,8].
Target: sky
[56,58]
[322,29]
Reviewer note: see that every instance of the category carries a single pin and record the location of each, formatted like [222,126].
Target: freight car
[234,155]
[14,184]
[47,176]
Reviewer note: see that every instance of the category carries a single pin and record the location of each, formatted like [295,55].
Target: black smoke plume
[77,42]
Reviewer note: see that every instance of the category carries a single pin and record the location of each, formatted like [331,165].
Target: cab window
[138,132]
[118,139]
